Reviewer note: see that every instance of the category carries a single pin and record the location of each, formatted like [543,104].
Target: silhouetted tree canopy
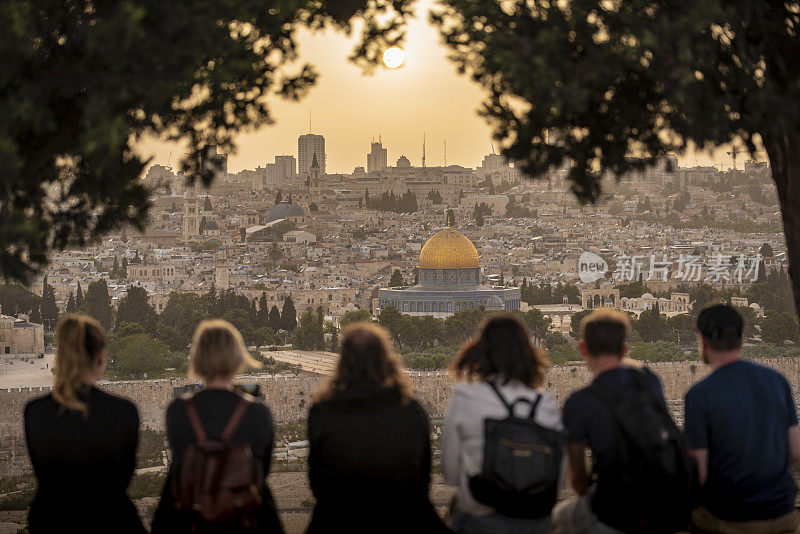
[396,279]
[97,303]
[615,85]
[83,82]
[135,308]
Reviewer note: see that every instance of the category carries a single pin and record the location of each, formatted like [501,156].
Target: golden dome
[448,249]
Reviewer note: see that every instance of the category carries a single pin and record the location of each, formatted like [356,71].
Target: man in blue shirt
[741,426]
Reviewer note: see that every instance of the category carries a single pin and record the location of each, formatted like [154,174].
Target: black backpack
[521,464]
[655,483]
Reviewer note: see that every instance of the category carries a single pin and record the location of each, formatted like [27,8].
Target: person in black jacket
[82,441]
[369,444]
[217,354]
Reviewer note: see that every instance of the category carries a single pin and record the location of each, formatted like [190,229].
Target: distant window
[8,350]
[2,337]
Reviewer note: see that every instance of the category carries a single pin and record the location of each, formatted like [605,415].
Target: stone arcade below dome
[449,281]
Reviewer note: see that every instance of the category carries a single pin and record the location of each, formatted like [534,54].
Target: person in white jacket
[502,354]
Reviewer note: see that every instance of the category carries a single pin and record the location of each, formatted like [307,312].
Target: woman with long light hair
[218,412]
[369,443]
[82,441]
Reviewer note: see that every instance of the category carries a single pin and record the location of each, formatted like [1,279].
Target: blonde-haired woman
[82,441]
[370,451]
[217,355]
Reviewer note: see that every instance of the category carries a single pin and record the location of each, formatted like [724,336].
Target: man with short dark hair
[591,421]
[741,425]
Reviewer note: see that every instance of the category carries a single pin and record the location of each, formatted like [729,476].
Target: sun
[394,57]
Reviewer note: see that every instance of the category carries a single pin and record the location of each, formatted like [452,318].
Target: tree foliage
[309,333]
[777,328]
[388,201]
[652,325]
[416,333]
[135,307]
[659,351]
[397,279]
[610,87]
[435,196]
[274,318]
[576,322]
[288,315]
[97,303]
[624,83]
[480,212]
[15,299]
[49,308]
[182,313]
[138,354]
[87,81]
[355,316]
[549,294]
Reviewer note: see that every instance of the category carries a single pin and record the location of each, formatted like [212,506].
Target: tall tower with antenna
[423,150]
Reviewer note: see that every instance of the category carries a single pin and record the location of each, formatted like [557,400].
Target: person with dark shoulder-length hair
[221,442]
[369,443]
[82,441]
[501,375]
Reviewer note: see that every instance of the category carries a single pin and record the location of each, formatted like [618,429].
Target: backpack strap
[509,407]
[194,419]
[534,405]
[236,418]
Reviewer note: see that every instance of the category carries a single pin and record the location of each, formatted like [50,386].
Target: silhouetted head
[604,333]
[720,328]
[501,350]
[366,357]
[218,351]
[80,359]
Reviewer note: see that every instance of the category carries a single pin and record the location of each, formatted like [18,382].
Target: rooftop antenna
[734,151]
[423,150]
[309,121]
[492,147]
[445,152]
[379,139]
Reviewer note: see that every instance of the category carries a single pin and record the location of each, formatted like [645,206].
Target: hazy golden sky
[349,108]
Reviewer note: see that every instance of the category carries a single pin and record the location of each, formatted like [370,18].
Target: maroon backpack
[218,482]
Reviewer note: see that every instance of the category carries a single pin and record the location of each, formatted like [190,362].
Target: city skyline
[425,96]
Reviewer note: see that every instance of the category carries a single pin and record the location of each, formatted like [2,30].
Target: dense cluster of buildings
[290,228]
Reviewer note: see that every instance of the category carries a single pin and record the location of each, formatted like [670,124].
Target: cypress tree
[275,318]
[289,315]
[49,308]
[262,318]
[98,303]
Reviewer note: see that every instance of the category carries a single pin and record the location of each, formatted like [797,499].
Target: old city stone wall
[289,397]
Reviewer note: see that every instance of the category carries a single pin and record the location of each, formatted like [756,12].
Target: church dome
[448,249]
[295,210]
[283,210]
